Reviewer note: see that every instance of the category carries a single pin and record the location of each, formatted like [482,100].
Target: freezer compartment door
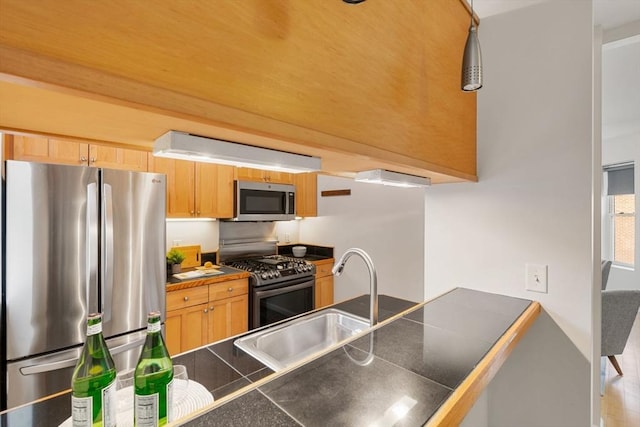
[35,378]
[133,249]
[51,268]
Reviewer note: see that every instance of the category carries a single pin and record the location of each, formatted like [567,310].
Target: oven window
[262,202]
[282,306]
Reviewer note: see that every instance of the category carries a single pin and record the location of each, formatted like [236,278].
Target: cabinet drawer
[230,288]
[324,268]
[187,297]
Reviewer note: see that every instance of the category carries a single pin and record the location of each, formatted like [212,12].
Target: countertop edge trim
[458,404]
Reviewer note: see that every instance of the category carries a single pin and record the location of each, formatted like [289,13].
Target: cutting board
[192,255]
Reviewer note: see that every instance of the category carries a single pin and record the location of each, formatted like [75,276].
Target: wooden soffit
[373,84]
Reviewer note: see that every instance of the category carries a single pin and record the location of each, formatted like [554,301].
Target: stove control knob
[271,273]
[264,276]
[277,274]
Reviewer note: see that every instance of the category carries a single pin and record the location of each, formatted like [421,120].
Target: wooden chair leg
[614,362]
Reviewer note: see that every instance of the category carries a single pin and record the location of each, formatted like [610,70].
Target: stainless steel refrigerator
[77,240]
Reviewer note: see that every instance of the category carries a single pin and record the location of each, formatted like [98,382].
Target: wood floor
[620,405]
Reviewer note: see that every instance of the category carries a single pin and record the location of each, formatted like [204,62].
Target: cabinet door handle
[211,308]
[186,298]
[198,213]
[93,160]
[83,159]
[192,213]
[206,311]
[230,290]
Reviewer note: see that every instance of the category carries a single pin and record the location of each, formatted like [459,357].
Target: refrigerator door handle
[67,363]
[92,248]
[48,367]
[106,300]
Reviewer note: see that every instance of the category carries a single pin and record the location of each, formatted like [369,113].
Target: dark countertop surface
[228,273]
[455,331]
[314,252]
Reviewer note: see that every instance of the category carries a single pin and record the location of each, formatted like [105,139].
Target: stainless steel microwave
[259,201]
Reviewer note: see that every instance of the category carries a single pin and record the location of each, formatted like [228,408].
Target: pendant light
[472,59]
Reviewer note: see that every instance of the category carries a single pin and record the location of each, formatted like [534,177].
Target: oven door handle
[309,283]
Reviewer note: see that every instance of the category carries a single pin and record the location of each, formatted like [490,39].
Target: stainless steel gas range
[279,287]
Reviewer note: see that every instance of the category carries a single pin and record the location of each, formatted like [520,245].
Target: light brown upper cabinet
[306,194]
[48,150]
[375,86]
[196,189]
[260,175]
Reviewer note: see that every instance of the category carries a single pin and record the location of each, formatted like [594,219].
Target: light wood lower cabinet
[204,314]
[324,283]
[229,317]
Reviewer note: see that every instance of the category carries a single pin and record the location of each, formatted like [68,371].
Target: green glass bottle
[153,379]
[93,384]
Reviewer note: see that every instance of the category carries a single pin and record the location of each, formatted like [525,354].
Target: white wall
[386,222]
[185,233]
[533,201]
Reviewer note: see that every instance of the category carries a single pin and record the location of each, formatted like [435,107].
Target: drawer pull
[206,311]
[230,289]
[186,298]
[211,308]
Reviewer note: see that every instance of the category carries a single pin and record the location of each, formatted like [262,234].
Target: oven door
[273,303]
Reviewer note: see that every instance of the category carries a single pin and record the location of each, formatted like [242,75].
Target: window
[623,228]
[622,213]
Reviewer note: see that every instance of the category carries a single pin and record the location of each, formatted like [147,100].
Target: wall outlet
[287,238]
[536,278]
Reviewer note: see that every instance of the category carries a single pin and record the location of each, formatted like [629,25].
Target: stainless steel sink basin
[283,345]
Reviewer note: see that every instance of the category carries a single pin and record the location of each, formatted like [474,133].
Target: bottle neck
[154,327]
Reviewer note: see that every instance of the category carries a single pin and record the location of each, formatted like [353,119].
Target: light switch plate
[536,278]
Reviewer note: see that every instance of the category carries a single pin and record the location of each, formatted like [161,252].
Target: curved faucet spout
[373,279]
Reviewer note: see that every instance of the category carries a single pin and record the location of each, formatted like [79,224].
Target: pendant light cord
[471,23]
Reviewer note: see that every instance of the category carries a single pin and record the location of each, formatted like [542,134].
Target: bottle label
[94,329]
[82,411]
[109,405]
[82,408]
[153,327]
[146,410]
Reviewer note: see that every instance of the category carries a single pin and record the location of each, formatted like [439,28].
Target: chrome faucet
[373,279]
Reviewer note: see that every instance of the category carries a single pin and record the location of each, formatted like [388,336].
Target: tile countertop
[455,330]
[427,359]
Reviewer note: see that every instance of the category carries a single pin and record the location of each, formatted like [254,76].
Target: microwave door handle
[91,249]
[107,255]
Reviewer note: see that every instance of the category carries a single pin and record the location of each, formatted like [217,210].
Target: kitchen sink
[281,346]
